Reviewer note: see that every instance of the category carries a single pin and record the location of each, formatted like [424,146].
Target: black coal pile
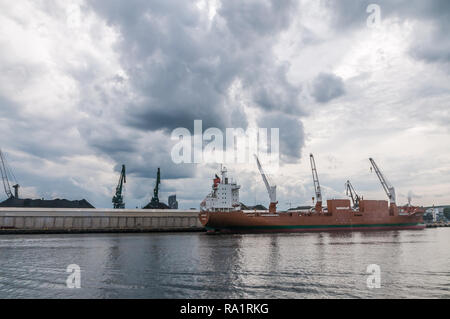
[156,205]
[42,203]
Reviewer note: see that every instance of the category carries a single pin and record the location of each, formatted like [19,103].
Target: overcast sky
[88,85]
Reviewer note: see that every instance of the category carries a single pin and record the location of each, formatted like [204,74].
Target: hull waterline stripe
[314,226]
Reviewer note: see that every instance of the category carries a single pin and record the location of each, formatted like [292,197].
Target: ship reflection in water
[414,264]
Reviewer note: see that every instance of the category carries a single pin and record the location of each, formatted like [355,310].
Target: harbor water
[412,264]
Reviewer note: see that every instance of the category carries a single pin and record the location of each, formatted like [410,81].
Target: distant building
[435,214]
[173,203]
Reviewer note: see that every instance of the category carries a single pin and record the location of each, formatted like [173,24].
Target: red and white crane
[271,189]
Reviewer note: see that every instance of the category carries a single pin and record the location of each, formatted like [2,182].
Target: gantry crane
[272,190]
[388,188]
[317,189]
[4,172]
[350,191]
[118,198]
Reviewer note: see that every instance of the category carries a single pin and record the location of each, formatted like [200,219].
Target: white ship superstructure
[224,195]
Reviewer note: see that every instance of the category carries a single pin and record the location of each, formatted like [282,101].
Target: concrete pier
[436,225]
[63,220]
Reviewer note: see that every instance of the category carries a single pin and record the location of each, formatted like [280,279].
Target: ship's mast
[272,190]
[388,188]
[118,198]
[223,172]
[350,190]
[317,189]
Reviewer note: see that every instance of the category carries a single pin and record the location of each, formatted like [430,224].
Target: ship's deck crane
[388,188]
[317,189]
[272,190]
[4,172]
[118,198]
[350,190]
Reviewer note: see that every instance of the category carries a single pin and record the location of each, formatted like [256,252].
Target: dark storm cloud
[31,134]
[146,164]
[326,87]
[142,154]
[183,65]
[433,48]
[108,138]
[271,90]
[172,62]
[430,46]
[249,20]
[291,133]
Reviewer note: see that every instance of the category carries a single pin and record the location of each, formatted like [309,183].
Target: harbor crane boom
[388,188]
[350,190]
[317,189]
[4,171]
[272,190]
[155,198]
[118,198]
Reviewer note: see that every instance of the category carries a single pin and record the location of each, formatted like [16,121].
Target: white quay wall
[55,220]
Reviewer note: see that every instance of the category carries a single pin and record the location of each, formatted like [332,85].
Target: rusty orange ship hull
[372,215]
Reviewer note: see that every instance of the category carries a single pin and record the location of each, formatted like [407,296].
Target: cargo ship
[221,211]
